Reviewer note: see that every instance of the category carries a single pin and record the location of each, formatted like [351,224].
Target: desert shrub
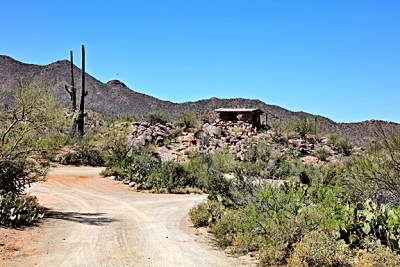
[84,156]
[282,168]
[279,127]
[113,171]
[258,216]
[168,175]
[344,146]
[30,128]
[318,248]
[224,230]
[13,176]
[188,120]
[174,133]
[218,187]
[18,211]
[332,173]
[224,161]
[333,139]
[199,215]
[154,117]
[259,152]
[248,228]
[118,150]
[273,254]
[238,129]
[197,170]
[240,230]
[322,154]
[375,174]
[393,227]
[305,125]
[256,161]
[142,164]
[375,255]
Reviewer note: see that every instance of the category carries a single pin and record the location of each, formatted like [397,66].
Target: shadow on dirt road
[93,221]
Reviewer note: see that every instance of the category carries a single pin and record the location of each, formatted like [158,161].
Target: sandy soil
[95,221]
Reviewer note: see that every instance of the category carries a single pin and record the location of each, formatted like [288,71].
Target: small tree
[28,128]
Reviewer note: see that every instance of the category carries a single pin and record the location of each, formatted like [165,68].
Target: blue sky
[339,59]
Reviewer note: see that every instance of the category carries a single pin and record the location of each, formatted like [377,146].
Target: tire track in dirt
[94,221]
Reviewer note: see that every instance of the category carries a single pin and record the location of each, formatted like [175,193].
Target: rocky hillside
[115,99]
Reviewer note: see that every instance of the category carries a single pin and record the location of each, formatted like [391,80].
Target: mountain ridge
[114,98]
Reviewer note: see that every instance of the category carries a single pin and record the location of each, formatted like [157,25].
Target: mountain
[114,98]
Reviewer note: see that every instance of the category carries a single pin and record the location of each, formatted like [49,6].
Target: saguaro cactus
[82,114]
[72,91]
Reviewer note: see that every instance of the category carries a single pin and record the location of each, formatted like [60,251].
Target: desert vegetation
[280,192]
[29,130]
[295,214]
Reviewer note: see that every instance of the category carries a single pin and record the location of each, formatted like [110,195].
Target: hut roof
[239,110]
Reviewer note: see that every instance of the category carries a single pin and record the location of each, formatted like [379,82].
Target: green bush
[322,154]
[393,226]
[84,156]
[375,174]
[333,139]
[224,230]
[113,171]
[141,166]
[344,145]
[154,117]
[305,125]
[248,228]
[168,175]
[258,162]
[118,150]
[15,175]
[224,161]
[318,248]
[197,170]
[188,120]
[18,211]
[199,215]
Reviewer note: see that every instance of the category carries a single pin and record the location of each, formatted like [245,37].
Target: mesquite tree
[29,128]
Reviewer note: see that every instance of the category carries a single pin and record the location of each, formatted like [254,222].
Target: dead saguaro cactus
[82,114]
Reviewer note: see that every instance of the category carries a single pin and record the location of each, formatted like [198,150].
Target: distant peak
[116,83]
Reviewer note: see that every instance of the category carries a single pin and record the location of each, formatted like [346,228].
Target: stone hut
[249,115]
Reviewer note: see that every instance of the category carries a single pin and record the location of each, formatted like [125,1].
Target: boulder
[213,130]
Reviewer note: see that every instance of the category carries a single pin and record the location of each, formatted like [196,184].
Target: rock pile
[172,143]
[143,132]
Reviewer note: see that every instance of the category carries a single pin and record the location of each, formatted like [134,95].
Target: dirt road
[95,221]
